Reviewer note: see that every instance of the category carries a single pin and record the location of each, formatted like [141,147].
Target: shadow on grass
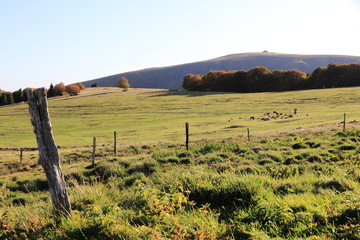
[188,93]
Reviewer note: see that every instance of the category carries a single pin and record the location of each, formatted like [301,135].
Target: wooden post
[21,155]
[93,153]
[187,136]
[248,133]
[49,157]
[114,143]
[344,123]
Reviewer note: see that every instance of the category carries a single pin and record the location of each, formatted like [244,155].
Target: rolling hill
[171,77]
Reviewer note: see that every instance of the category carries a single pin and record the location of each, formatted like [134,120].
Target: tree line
[261,79]
[59,89]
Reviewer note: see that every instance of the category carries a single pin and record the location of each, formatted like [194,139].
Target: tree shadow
[187,93]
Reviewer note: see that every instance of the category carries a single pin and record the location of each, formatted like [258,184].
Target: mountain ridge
[171,77]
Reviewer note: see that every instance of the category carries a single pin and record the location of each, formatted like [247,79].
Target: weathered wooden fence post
[49,157]
[114,143]
[93,153]
[248,134]
[344,123]
[187,136]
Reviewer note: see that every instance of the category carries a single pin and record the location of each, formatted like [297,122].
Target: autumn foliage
[81,86]
[72,89]
[261,79]
[59,89]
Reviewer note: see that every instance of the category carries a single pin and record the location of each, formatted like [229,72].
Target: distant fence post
[114,143]
[93,153]
[248,134]
[21,155]
[344,123]
[187,135]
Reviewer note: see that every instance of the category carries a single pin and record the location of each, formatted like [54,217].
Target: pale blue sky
[52,41]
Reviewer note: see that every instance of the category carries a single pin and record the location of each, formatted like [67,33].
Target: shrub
[72,89]
[59,89]
[81,86]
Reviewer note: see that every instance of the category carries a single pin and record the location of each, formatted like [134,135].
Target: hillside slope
[140,116]
[171,77]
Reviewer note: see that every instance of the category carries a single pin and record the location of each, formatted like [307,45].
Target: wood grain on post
[187,136]
[49,157]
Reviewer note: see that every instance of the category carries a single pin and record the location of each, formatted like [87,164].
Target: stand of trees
[7,98]
[60,89]
[261,79]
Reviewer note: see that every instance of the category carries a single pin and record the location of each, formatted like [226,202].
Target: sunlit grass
[147,115]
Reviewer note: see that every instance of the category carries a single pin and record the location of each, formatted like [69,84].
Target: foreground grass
[148,115]
[285,187]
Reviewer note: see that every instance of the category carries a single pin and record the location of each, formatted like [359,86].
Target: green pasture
[148,115]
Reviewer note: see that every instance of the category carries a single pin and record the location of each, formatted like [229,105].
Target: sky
[69,41]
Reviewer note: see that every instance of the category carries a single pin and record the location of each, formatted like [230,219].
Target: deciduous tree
[123,83]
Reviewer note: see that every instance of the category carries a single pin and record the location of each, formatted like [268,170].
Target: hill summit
[171,77]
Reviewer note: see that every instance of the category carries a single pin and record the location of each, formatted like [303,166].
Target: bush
[72,89]
[59,89]
[81,86]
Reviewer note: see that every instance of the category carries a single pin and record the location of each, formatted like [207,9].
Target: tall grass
[226,189]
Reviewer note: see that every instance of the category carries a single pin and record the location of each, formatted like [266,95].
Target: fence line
[115,144]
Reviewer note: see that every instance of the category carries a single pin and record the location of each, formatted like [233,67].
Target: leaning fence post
[49,157]
[248,134]
[114,143]
[187,136]
[344,123]
[93,152]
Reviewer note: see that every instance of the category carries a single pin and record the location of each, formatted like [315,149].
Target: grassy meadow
[145,115]
[298,178]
